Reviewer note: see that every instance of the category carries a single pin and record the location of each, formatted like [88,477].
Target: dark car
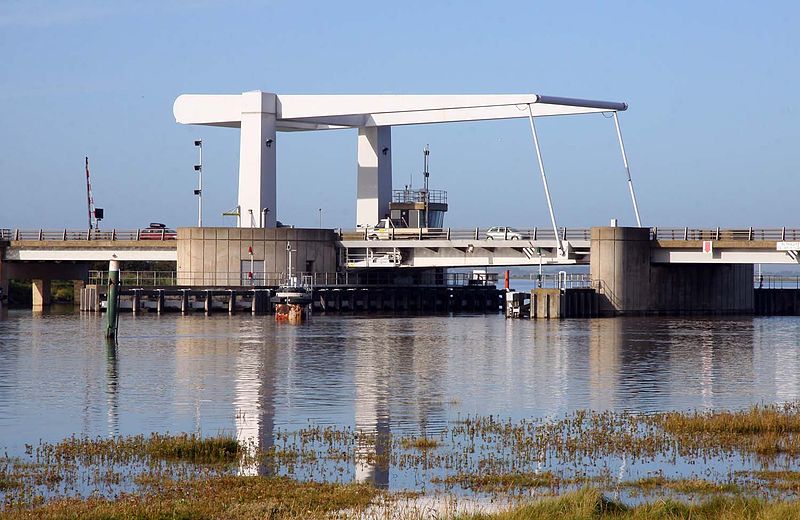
[157,231]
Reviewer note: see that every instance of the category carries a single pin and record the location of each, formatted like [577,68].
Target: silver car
[503,233]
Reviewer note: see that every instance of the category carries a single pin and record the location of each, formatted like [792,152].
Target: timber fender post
[112,314]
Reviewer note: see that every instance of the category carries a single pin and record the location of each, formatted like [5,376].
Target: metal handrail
[419,195]
[562,280]
[89,235]
[748,234]
[274,279]
[656,233]
[776,281]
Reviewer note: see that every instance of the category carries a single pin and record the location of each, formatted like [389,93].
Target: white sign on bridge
[788,246]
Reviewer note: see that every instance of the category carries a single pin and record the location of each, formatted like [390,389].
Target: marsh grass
[591,504]
[419,443]
[494,482]
[758,419]
[226,497]
[686,486]
[182,447]
[763,430]
[482,455]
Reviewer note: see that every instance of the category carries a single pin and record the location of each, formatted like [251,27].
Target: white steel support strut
[627,170]
[544,180]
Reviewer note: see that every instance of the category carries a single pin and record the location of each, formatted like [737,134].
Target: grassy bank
[234,498]
[251,498]
[590,504]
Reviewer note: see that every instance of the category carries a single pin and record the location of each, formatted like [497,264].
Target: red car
[157,231]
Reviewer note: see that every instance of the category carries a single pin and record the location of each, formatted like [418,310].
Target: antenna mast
[89,198]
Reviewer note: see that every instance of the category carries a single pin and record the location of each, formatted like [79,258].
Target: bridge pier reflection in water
[632,362]
[255,400]
[399,371]
[202,344]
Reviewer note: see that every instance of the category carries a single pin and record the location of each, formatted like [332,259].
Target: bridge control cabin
[418,208]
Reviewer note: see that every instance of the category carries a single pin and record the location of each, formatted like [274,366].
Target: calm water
[251,376]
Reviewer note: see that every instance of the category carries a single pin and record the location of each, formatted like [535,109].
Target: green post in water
[112,308]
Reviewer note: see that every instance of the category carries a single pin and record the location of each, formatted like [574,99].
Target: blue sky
[712,130]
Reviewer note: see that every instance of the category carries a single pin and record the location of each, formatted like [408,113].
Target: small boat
[293,293]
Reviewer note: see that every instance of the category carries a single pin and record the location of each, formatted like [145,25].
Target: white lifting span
[260,115]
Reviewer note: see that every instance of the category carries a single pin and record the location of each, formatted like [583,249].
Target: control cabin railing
[411,196]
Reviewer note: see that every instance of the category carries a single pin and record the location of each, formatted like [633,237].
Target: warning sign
[708,247]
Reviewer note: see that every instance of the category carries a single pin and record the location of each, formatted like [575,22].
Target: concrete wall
[213,256]
[777,302]
[568,303]
[629,284]
[3,274]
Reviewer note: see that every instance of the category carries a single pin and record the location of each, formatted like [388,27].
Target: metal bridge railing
[140,278]
[90,234]
[562,280]
[686,233]
[260,279]
[656,233]
[776,281]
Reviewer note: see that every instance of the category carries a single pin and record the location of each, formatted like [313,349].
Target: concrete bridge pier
[77,290]
[41,293]
[630,283]
[41,275]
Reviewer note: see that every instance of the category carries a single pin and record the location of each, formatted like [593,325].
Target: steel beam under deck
[461,253]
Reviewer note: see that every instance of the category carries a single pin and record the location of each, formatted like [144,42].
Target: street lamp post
[320,218]
[199,191]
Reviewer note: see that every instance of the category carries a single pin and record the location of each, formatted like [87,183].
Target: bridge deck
[429,248]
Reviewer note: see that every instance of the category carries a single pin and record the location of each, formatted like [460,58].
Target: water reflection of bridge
[376,371]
